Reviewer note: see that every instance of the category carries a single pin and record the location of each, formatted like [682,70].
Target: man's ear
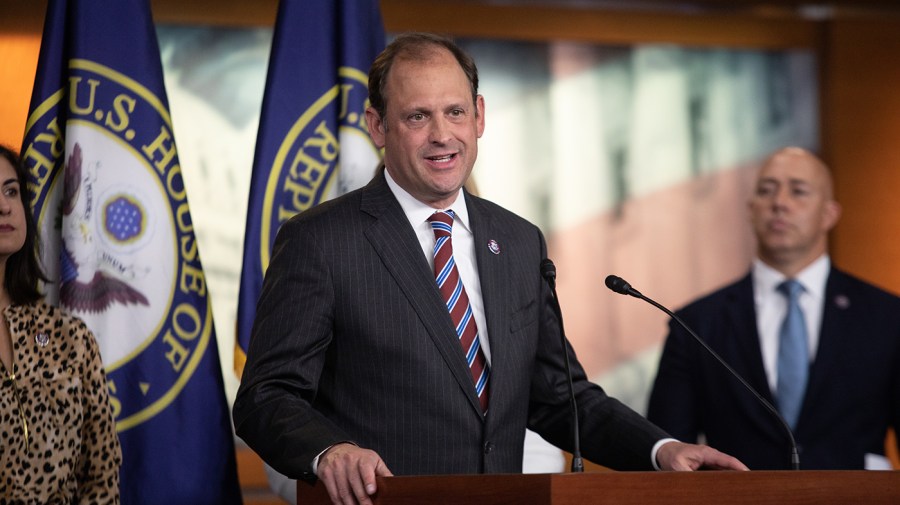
[832,214]
[479,111]
[376,127]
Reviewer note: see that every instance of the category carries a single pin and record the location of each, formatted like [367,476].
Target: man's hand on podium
[349,472]
[688,457]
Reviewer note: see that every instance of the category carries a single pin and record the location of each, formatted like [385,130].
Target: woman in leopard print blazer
[58,440]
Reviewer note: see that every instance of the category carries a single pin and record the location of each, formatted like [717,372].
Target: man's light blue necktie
[793,355]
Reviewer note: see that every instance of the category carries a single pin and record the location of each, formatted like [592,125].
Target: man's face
[792,210]
[431,127]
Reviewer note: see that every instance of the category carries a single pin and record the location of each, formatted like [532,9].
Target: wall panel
[861,128]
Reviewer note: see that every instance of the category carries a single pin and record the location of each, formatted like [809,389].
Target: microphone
[621,286]
[548,272]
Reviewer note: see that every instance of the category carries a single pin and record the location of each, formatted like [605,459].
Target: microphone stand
[548,272]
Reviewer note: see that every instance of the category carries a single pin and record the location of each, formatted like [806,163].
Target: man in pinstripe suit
[354,367]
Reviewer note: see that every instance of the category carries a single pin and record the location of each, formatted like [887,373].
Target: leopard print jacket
[58,441]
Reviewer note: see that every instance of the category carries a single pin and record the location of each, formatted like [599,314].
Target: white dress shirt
[771,308]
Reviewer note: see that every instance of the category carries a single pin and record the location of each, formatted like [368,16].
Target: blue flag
[119,246]
[312,143]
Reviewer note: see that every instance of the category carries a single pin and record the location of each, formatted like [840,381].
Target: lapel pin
[842,301]
[42,339]
[493,246]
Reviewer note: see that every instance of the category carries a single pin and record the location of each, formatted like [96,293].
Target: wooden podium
[645,488]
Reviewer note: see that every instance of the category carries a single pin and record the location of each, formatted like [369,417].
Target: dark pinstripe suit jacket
[852,397]
[352,342]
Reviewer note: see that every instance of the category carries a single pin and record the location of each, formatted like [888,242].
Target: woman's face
[12,211]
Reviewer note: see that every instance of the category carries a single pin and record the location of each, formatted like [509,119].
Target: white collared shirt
[771,308]
[463,248]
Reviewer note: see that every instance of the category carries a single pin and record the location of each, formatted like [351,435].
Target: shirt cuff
[655,450]
[315,461]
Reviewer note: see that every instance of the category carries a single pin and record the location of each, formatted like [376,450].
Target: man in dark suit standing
[820,345]
[355,367]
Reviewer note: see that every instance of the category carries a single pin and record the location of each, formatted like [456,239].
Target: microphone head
[548,269]
[618,284]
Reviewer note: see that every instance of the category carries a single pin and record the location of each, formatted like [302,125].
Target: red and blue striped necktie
[450,284]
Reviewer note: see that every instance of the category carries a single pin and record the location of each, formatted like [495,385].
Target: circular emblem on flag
[112,210]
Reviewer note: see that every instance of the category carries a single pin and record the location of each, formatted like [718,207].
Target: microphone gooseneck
[548,272]
[619,285]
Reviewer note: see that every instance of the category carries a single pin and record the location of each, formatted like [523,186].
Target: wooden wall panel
[861,141]
[756,29]
[19,62]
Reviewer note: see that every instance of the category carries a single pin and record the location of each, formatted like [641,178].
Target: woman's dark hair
[23,267]
[417,47]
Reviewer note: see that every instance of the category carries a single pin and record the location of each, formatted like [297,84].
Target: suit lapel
[742,312]
[836,321]
[396,244]
[493,271]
